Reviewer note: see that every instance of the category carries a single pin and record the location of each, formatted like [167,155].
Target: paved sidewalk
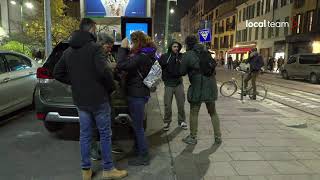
[256,146]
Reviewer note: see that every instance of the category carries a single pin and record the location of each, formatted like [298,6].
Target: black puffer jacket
[170,64]
[134,64]
[83,66]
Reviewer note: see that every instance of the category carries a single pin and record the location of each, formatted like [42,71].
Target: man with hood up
[170,64]
[203,89]
[83,66]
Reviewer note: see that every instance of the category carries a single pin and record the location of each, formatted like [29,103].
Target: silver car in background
[17,81]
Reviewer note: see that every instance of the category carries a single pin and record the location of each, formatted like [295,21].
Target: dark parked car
[53,100]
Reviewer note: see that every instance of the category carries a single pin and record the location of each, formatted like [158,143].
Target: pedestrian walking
[271,64]
[280,63]
[229,60]
[200,67]
[170,64]
[137,62]
[83,66]
[256,63]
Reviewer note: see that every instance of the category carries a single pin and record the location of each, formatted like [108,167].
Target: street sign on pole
[204,35]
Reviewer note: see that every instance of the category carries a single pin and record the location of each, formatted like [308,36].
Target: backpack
[154,75]
[207,63]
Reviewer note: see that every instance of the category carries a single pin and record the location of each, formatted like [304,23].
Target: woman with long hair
[137,62]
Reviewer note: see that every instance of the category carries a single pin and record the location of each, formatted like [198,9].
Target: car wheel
[313,78]
[53,126]
[285,75]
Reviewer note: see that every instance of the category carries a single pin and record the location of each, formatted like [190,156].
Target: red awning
[239,50]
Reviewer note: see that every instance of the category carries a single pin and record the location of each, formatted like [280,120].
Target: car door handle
[5,80]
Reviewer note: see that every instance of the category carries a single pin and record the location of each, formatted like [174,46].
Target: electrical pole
[47,21]
[167,26]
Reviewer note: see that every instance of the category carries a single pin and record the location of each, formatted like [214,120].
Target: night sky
[180,9]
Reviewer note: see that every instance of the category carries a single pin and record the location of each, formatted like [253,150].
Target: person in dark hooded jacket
[203,89]
[83,66]
[170,64]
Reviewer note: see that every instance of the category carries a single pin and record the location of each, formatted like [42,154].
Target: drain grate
[249,109]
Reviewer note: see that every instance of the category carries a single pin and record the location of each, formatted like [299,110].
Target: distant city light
[13,2]
[29,5]
[316,47]
[171,11]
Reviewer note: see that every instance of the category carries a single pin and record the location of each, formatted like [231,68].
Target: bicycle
[229,88]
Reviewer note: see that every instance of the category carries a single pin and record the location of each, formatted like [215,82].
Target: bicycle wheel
[261,93]
[228,88]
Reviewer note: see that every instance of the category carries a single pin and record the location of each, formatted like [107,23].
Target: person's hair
[191,41]
[86,24]
[140,40]
[104,38]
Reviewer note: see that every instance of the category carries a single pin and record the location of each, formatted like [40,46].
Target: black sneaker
[141,160]
[217,140]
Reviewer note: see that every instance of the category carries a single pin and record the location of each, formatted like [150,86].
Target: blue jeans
[101,114]
[136,109]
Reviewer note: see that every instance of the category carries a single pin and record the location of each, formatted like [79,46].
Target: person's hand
[125,43]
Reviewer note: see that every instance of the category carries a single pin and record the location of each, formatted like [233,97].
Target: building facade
[305,37]
[224,24]
[270,41]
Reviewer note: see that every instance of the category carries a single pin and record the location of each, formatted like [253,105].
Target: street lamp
[29,5]
[171,11]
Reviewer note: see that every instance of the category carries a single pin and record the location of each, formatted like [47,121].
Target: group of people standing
[272,62]
[88,67]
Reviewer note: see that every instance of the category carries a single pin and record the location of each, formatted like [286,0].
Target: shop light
[316,47]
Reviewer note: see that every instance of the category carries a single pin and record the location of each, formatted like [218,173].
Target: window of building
[253,10]
[231,41]
[262,7]
[240,15]
[299,23]
[275,4]
[283,3]
[244,14]
[256,33]
[258,8]
[262,32]
[286,29]
[216,13]
[221,42]
[309,20]
[270,32]
[250,32]
[277,30]
[268,5]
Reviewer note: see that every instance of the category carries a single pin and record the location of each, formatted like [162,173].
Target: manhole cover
[249,109]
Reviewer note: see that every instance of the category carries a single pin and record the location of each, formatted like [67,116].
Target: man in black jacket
[256,63]
[170,64]
[83,66]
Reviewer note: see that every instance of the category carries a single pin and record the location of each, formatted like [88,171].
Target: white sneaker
[166,126]
[183,125]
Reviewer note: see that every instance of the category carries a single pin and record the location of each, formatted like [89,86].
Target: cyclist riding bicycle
[256,63]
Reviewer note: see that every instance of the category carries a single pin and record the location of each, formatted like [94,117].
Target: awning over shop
[239,50]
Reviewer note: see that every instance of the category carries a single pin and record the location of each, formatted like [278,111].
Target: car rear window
[309,59]
[55,56]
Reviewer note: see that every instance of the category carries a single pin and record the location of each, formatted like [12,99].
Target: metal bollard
[242,77]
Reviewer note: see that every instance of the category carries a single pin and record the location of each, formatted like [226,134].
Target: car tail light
[43,73]
[41,116]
